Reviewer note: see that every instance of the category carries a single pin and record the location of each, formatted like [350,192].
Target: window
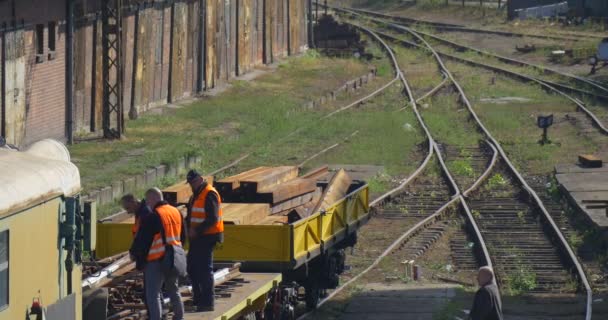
[52,36]
[39,43]
[4,269]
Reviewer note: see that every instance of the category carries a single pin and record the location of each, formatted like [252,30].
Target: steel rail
[458,28]
[457,197]
[531,192]
[434,90]
[551,86]
[515,61]
[543,83]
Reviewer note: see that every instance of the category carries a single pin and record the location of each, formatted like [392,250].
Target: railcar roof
[41,172]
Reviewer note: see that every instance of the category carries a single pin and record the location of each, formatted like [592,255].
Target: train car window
[4,269]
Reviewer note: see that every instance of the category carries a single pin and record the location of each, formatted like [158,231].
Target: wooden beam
[267,179]
[181,192]
[274,220]
[230,183]
[336,189]
[285,191]
[295,202]
[317,173]
[244,213]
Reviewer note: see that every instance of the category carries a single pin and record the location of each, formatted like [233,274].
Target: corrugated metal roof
[35,175]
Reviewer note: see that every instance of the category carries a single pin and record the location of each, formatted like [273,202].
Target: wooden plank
[285,191]
[179,53]
[296,202]
[317,173]
[269,178]
[270,220]
[181,191]
[245,213]
[15,109]
[336,190]
[230,183]
[590,161]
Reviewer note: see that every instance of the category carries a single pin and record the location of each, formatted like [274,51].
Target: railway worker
[135,207]
[148,249]
[487,304]
[205,230]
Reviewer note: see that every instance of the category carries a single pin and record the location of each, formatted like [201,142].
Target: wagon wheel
[313,294]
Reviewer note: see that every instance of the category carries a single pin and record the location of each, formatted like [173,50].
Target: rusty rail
[562,241]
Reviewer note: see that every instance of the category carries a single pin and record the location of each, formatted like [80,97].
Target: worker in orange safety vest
[149,248]
[205,230]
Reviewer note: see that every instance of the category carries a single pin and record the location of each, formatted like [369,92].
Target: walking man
[487,304]
[205,230]
[149,248]
[135,207]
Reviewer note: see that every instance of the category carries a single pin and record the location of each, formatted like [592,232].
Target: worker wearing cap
[205,230]
[164,226]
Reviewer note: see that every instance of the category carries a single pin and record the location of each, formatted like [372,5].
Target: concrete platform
[585,184]
[403,301]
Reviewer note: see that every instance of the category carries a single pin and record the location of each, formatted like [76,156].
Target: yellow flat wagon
[309,251]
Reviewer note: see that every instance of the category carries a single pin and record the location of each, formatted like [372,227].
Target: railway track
[424,203]
[446,27]
[539,232]
[554,239]
[599,122]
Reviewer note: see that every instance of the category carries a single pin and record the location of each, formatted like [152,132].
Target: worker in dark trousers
[138,208]
[148,250]
[205,230]
[487,304]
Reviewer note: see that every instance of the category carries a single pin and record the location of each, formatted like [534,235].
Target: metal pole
[201,47]
[69,70]
[3,83]
[133,114]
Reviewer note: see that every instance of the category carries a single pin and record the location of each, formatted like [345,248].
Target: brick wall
[160,56]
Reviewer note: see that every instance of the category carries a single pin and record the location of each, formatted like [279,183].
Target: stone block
[140,181]
[94,196]
[117,190]
[105,195]
[128,185]
[150,177]
[161,171]
[181,165]
[171,170]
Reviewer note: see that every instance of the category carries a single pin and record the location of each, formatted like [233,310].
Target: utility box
[89,225]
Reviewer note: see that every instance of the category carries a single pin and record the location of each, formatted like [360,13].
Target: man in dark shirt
[487,304]
[205,230]
[154,276]
[136,207]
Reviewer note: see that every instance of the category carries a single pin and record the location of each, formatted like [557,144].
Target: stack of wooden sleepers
[279,195]
[271,195]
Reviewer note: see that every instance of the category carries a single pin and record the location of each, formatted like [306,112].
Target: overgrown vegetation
[220,128]
[520,280]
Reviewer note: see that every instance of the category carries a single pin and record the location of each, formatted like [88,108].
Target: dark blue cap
[192,175]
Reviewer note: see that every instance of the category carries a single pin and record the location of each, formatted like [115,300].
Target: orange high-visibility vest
[171,220]
[135,227]
[198,214]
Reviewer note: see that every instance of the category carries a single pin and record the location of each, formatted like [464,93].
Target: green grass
[514,124]
[386,138]
[220,128]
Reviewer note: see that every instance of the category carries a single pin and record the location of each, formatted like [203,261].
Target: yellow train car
[40,270]
[309,251]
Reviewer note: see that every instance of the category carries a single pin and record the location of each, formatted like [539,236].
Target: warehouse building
[167,50]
